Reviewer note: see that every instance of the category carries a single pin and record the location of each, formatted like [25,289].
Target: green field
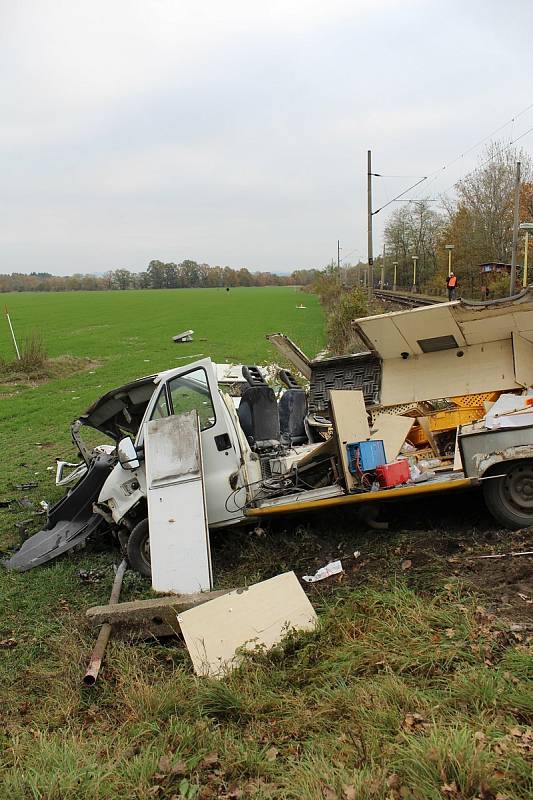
[415,684]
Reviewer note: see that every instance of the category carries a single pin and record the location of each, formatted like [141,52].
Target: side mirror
[127,454]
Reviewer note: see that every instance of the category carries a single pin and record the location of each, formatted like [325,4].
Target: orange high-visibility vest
[452,281]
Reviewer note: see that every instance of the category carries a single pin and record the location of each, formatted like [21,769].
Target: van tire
[138,549]
[510,498]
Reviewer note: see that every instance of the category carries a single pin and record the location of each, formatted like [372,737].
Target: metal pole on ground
[95,662]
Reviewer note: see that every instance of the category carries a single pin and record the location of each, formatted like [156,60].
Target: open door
[194,387]
[179,537]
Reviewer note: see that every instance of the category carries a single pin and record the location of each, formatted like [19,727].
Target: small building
[494,268]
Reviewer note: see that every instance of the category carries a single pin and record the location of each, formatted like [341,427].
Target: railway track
[406,298]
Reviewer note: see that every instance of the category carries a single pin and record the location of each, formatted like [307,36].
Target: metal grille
[349,372]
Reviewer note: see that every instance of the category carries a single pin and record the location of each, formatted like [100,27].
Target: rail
[407,298]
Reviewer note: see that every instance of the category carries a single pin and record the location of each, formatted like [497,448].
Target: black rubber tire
[510,498]
[138,549]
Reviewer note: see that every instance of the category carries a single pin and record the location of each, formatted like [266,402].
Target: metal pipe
[95,662]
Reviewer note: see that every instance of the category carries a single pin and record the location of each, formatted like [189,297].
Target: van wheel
[510,498]
[138,549]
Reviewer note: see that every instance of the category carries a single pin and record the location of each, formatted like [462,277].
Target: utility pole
[382,282]
[339,261]
[512,284]
[370,245]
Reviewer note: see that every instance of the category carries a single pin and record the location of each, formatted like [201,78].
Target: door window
[191,391]
[161,407]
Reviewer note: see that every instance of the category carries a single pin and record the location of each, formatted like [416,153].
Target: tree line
[159,275]
[478,222]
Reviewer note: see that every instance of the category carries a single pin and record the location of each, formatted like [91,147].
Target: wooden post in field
[13,334]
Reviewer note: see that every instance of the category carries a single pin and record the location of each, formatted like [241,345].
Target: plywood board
[424,424]
[320,451]
[351,424]
[523,360]
[393,430]
[179,536]
[246,618]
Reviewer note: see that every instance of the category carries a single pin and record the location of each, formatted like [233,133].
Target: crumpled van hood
[120,411]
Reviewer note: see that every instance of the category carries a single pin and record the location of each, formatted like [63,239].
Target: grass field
[415,685]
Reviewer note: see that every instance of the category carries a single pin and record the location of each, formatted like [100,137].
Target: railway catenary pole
[370,244]
[512,282]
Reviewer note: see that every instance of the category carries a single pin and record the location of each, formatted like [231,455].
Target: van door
[195,387]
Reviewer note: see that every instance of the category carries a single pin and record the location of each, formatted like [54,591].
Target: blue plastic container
[371,455]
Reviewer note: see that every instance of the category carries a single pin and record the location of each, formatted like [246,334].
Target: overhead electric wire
[434,175]
[398,196]
[491,158]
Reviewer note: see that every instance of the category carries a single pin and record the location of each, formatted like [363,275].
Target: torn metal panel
[70,521]
[481,448]
[291,352]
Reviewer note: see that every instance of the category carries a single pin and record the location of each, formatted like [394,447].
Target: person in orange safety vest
[451,283]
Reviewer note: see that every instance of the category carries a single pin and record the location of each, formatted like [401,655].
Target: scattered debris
[506,555]
[333,568]
[25,502]
[6,503]
[23,487]
[245,619]
[184,336]
[182,358]
[91,575]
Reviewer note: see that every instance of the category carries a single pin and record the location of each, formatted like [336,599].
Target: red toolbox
[393,474]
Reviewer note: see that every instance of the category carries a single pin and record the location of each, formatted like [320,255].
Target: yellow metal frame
[363,497]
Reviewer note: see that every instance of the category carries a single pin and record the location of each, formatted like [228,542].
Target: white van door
[195,387]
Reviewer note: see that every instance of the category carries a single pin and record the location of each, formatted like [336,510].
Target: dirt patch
[429,543]
[49,369]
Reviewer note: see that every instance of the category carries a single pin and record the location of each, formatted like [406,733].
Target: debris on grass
[333,568]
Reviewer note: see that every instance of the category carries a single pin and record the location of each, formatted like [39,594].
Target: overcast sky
[236,132]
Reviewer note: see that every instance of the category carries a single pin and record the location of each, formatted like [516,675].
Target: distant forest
[158,275]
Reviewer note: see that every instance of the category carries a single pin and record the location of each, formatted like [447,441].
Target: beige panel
[382,334]
[259,616]
[523,320]
[523,360]
[430,322]
[431,376]
[488,329]
[393,430]
[351,424]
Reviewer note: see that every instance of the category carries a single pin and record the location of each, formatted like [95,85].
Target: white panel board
[179,536]
[246,618]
